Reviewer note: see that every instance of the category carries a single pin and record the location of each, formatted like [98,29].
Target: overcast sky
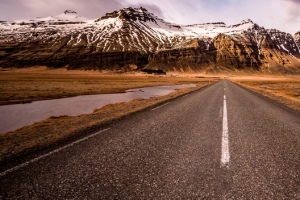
[280,14]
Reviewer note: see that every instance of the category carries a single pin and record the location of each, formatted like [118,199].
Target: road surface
[220,142]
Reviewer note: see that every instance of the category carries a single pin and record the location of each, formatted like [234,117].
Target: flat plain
[173,151]
[284,89]
[38,83]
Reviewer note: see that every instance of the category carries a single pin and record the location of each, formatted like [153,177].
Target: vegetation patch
[55,129]
[285,90]
[30,84]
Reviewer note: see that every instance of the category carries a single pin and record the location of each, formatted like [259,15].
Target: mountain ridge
[134,36]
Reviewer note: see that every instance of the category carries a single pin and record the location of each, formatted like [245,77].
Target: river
[17,116]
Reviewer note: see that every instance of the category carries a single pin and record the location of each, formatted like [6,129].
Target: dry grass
[37,83]
[53,130]
[284,89]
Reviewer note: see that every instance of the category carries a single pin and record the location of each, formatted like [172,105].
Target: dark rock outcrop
[297,39]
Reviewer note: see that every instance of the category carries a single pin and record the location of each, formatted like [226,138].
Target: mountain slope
[135,36]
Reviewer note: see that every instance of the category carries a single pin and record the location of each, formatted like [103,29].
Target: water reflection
[16,116]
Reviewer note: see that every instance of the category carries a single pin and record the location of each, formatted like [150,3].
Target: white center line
[50,153]
[160,106]
[225,144]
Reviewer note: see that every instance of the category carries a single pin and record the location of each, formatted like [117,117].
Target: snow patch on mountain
[135,29]
[68,15]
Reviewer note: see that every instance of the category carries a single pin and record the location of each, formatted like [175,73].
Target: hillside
[133,38]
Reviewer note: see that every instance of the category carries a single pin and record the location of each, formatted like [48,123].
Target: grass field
[284,89]
[39,83]
[25,85]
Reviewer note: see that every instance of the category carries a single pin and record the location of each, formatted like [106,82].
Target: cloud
[292,10]
[294,1]
[9,10]
[150,7]
[30,9]
[280,14]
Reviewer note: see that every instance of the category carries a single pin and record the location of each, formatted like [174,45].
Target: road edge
[271,98]
[17,159]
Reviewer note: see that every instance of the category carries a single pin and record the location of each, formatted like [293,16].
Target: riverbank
[56,129]
[40,83]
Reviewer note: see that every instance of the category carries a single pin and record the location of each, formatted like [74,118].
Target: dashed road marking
[50,153]
[225,143]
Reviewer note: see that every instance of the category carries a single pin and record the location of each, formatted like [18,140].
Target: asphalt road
[189,148]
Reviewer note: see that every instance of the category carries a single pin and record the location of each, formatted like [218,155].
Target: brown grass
[53,130]
[37,83]
[284,89]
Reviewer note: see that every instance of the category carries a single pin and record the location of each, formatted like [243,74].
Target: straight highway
[219,142]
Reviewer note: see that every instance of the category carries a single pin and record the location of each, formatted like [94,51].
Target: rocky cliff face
[133,36]
[297,39]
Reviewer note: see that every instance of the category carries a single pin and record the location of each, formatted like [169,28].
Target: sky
[280,14]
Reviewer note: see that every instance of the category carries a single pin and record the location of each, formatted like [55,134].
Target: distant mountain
[134,36]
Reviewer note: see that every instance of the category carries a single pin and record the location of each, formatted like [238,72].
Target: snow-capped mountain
[136,36]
